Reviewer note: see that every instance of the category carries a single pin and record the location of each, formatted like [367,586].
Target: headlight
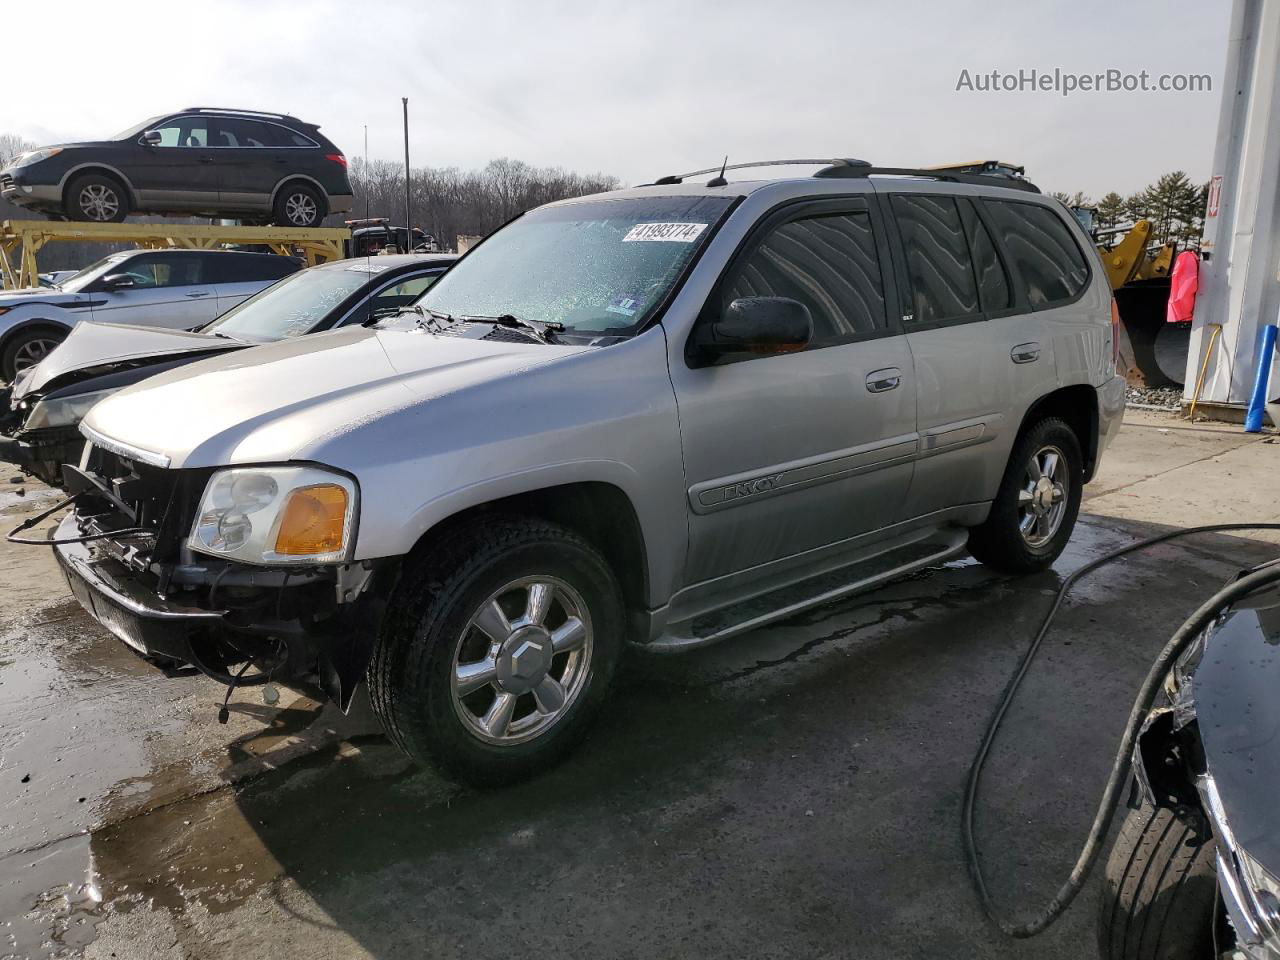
[35,156]
[1265,891]
[63,411]
[276,515]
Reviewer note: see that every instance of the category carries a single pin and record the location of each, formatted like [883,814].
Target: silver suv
[661,416]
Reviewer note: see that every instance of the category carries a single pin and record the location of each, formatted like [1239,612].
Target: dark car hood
[1236,687]
[94,348]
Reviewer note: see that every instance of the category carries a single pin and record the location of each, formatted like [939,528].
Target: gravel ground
[1160,398]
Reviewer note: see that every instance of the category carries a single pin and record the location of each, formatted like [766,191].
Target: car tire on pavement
[97,198]
[1036,506]
[1159,891]
[498,649]
[27,347]
[298,205]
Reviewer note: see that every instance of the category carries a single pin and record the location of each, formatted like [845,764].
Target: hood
[94,348]
[1235,689]
[283,400]
[28,295]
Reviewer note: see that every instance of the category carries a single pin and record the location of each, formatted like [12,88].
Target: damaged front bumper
[42,453]
[313,625]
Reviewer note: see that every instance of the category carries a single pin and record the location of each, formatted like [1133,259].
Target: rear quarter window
[1046,258]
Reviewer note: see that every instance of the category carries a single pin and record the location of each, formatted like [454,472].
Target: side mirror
[117,281]
[756,325]
[151,138]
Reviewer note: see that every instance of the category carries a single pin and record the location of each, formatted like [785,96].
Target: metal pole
[408,194]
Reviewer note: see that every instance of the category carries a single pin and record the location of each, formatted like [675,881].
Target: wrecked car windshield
[598,267]
[294,305]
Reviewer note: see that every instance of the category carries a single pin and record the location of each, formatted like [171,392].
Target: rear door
[789,453]
[236,276]
[252,156]
[169,290]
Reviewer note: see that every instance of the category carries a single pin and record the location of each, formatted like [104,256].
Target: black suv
[201,161]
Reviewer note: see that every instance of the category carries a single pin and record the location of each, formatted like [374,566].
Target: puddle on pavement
[49,900]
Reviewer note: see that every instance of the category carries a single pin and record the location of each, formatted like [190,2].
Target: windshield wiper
[545,331]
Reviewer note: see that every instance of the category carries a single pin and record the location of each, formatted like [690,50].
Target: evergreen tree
[1111,212]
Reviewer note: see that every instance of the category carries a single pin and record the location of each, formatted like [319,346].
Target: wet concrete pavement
[794,792]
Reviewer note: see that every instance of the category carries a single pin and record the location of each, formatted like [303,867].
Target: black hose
[1261,576]
[12,535]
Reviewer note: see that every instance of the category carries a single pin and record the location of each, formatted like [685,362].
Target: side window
[184,132]
[1043,252]
[390,298]
[233,132]
[993,286]
[163,270]
[937,253]
[243,268]
[829,263]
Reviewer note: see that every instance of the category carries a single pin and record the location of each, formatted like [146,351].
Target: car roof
[393,260]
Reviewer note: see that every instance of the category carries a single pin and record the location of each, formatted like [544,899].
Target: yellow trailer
[21,240]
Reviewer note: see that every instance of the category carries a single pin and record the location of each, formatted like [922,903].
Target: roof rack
[981,173]
[237,110]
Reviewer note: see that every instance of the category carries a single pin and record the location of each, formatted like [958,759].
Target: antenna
[718,180]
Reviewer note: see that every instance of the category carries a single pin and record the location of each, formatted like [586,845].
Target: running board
[779,604]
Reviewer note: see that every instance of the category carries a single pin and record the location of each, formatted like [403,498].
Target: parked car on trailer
[40,413]
[665,415]
[201,161]
[178,289]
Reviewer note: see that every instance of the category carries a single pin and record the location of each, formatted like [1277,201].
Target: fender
[7,332]
[289,178]
[106,167]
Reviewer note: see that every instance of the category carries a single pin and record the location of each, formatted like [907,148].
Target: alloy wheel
[300,209]
[99,202]
[1042,499]
[522,660]
[32,352]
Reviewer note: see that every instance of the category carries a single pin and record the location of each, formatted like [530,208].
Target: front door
[180,171]
[168,290]
[794,453]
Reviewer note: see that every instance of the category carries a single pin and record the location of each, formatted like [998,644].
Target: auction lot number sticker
[669,232]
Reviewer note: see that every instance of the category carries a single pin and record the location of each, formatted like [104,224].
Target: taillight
[1115,334]
[337,158]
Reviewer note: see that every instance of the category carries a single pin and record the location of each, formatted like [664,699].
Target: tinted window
[828,263]
[163,270]
[938,262]
[993,286]
[1041,249]
[184,132]
[244,267]
[234,132]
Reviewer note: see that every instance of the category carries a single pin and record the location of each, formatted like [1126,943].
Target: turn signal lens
[313,521]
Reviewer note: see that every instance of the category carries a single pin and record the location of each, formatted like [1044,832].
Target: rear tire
[1159,892]
[441,640]
[298,205]
[96,198]
[27,347]
[1035,509]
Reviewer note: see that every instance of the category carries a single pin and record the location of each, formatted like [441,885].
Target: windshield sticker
[626,306]
[367,267]
[670,232]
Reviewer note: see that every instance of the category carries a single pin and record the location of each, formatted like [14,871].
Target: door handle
[882,381]
[1025,353]
[195,294]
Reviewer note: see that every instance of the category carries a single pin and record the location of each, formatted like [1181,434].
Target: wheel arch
[299,178]
[1077,406]
[97,166]
[599,511]
[6,337]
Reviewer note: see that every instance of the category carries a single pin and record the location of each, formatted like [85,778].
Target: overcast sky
[646,87]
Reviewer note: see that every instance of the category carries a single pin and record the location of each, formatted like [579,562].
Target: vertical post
[1261,378]
[408,193]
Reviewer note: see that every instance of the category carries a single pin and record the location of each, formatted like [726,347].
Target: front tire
[27,347]
[1035,509]
[1159,893]
[96,198]
[498,650]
